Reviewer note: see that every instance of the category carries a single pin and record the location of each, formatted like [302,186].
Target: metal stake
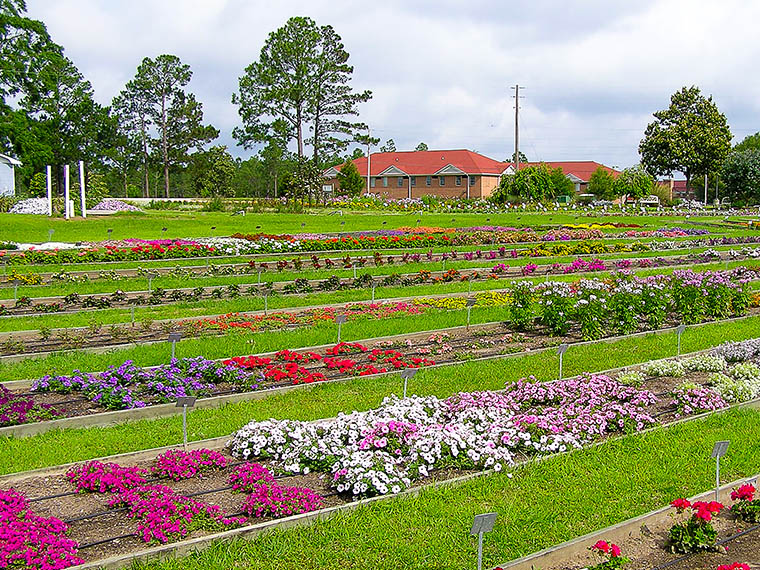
[354,271]
[470,305]
[132,311]
[185,402]
[561,349]
[679,330]
[719,450]
[481,525]
[266,304]
[373,293]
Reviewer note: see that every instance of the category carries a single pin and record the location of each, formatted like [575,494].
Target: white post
[468,186]
[66,191]
[410,188]
[49,189]
[81,188]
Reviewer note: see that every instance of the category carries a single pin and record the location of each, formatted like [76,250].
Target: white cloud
[440,70]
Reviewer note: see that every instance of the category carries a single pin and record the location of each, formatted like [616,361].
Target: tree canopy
[691,136]
[535,183]
[601,184]
[301,81]
[741,176]
[633,181]
[351,182]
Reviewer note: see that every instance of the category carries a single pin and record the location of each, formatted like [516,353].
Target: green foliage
[421,147]
[692,536]
[750,142]
[691,136]
[351,182]
[213,171]
[602,184]
[216,204]
[633,181]
[741,175]
[38,185]
[533,183]
[389,146]
[562,185]
[301,77]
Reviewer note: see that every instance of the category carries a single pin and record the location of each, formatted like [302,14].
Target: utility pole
[517,127]
[369,156]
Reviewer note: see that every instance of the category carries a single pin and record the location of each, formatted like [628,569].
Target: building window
[472,181]
[414,181]
[385,182]
[372,182]
[400,182]
[459,181]
[441,181]
[428,180]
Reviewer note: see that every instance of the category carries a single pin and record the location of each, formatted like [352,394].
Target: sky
[591,72]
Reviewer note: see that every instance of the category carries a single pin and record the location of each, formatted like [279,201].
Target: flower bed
[114,205]
[153,502]
[145,251]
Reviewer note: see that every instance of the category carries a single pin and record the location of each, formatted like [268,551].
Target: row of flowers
[162,514]
[173,250]
[387,449]
[129,386]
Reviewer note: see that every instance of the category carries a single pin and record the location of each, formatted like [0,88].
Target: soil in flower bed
[648,549]
[116,523]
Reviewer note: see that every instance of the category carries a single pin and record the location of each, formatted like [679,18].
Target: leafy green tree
[132,111]
[301,77]
[633,181]
[749,142]
[357,153]
[421,147]
[741,176]
[74,125]
[523,158]
[351,182]
[213,171]
[177,116]
[389,146]
[691,136]
[533,183]
[332,100]
[561,184]
[304,181]
[602,184]
[25,46]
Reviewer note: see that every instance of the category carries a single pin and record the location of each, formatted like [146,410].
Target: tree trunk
[146,179]
[165,144]
[275,186]
[299,130]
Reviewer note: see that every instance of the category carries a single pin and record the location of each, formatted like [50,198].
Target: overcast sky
[594,71]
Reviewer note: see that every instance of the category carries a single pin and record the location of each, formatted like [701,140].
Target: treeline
[153,141]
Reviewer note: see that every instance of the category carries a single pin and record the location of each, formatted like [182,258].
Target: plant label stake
[15,290]
[561,350]
[340,319]
[132,314]
[110,231]
[481,525]
[174,338]
[50,234]
[266,304]
[373,293]
[259,275]
[406,374]
[443,265]
[719,450]
[354,271]
[679,330]
[151,275]
[470,304]
[185,402]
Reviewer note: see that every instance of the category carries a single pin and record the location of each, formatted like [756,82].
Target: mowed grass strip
[327,400]
[543,504]
[148,225]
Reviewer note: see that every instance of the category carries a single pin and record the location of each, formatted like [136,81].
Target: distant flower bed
[38,206]
[113,205]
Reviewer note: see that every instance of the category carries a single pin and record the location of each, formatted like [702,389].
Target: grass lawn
[326,400]
[543,504]
[149,225]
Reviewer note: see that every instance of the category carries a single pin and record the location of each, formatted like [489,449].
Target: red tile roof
[583,169]
[428,162]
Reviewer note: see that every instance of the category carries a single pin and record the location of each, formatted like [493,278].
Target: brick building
[447,174]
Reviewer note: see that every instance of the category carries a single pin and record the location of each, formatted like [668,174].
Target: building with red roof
[411,174]
[446,173]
